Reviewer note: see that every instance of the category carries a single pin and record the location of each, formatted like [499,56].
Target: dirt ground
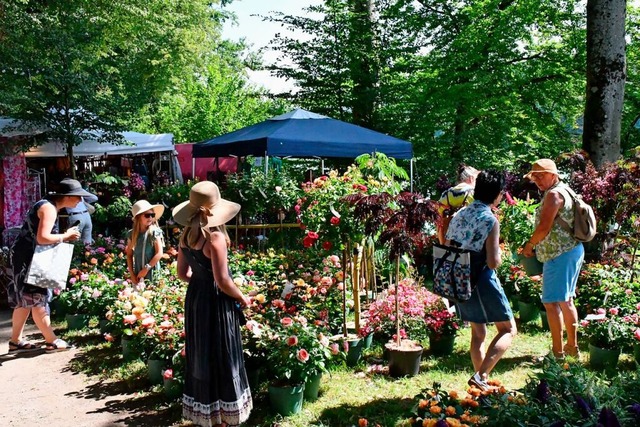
[38,388]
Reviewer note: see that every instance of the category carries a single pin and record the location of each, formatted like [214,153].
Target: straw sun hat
[543,165]
[142,206]
[205,208]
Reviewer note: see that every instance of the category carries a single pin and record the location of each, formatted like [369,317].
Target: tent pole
[322,166]
[411,172]
[193,167]
[266,164]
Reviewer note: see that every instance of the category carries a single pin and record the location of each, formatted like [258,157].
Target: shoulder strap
[561,222]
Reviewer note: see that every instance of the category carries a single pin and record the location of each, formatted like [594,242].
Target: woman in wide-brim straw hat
[40,227]
[145,241]
[561,254]
[216,389]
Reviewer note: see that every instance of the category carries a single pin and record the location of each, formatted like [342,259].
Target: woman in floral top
[477,229]
[561,254]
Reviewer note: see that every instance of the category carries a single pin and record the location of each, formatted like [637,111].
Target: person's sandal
[572,351]
[57,345]
[21,346]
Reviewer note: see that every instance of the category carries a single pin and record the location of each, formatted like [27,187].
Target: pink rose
[636,334]
[148,322]
[613,311]
[303,355]
[167,374]
[286,322]
[601,311]
[292,340]
[130,319]
[335,349]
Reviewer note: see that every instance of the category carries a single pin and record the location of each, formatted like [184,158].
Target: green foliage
[211,100]
[266,198]
[517,222]
[569,394]
[83,69]
[500,82]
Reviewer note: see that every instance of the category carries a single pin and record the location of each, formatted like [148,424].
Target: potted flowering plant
[528,293]
[295,353]
[517,222]
[608,331]
[443,325]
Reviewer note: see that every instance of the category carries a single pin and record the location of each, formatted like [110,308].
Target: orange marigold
[423,403]
[450,411]
[363,422]
[453,394]
[435,410]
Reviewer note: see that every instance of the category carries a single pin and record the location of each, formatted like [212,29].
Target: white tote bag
[50,266]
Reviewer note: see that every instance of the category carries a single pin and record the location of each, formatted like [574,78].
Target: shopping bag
[50,266]
[452,273]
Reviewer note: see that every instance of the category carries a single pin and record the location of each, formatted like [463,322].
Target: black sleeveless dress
[21,294]
[216,388]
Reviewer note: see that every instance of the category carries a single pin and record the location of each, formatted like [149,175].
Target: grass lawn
[346,394]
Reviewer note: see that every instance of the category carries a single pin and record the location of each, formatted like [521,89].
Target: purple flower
[608,418]
[543,394]
[635,410]
[583,407]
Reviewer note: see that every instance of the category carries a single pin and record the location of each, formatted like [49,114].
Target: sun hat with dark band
[70,187]
[543,165]
[142,206]
[205,208]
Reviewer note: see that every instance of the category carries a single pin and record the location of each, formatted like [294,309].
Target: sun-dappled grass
[346,394]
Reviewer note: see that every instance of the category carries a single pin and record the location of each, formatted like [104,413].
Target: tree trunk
[363,63]
[606,74]
[72,160]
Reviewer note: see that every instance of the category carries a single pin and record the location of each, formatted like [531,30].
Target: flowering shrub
[84,295]
[322,213]
[153,317]
[517,221]
[440,321]
[414,303]
[528,288]
[606,285]
[607,328]
[437,407]
[295,350]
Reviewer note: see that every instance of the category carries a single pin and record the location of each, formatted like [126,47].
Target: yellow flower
[260,298]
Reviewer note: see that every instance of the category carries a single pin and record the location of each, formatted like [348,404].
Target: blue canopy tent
[301,133]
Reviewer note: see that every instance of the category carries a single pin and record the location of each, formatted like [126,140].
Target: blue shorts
[560,275]
[488,302]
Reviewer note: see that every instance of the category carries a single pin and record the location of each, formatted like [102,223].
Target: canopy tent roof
[300,133]
[137,143]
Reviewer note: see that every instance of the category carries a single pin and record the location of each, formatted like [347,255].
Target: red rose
[327,246]
[335,220]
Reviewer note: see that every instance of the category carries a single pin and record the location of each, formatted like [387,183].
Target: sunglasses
[150,215]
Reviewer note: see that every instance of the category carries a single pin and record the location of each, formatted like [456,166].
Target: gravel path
[39,389]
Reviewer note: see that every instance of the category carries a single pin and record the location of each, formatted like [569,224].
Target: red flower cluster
[310,239]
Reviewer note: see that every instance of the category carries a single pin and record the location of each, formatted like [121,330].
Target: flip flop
[57,345]
[21,346]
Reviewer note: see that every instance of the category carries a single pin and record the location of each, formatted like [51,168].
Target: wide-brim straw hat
[70,187]
[543,165]
[142,206]
[205,207]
